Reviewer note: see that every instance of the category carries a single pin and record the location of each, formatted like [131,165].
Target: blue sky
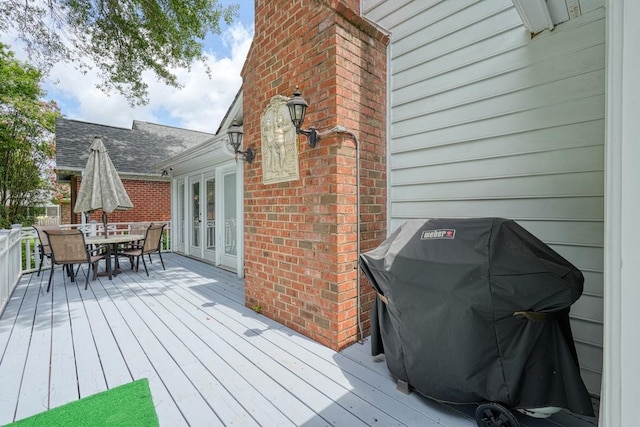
[199,105]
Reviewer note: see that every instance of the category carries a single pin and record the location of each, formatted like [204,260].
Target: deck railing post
[4,268]
[10,262]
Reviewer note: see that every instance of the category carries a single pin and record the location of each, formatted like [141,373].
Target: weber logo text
[438,234]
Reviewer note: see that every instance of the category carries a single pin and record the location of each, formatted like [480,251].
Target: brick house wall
[301,236]
[65,212]
[151,202]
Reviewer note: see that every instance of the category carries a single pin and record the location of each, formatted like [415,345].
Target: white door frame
[179,212]
[188,179]
[196,251]
[240,222]
[222,258]
[207,254]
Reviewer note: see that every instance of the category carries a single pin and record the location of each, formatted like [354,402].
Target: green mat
[126,405]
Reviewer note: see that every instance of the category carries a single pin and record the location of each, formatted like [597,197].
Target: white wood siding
[486,121]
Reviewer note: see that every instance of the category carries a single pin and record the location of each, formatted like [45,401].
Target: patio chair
[138,228]
[68,247]
[152,243]
[43,248]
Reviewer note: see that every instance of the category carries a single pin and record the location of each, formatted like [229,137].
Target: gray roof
[133,151]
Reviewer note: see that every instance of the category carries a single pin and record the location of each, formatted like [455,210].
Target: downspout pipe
[343,130]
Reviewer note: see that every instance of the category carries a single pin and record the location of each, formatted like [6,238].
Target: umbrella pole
[104,223]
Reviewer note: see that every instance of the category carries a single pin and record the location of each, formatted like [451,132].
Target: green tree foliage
[122,38]
[27,126]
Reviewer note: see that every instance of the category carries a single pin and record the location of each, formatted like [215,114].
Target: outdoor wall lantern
[235,139]
[297,108]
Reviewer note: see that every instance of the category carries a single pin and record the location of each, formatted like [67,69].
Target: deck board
[36,385]
[134,355]
[63,363]
[16,350]
[209,359]
[218,357]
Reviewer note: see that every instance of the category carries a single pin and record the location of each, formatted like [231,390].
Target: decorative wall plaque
[279,143]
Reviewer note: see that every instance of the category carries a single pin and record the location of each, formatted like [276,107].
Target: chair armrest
[126,250]
[99,250]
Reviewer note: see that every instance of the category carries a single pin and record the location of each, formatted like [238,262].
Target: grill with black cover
[477,310]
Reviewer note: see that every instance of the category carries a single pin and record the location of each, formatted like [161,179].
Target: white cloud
[199,105]
[202,102]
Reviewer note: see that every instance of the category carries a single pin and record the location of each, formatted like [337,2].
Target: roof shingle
[133,151]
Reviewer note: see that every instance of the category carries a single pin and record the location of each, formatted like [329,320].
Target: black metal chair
[68,247]
[152,243]
[43,248]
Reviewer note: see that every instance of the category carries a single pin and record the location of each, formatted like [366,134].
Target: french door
[209,230]
[179,235]
[211,208]
[195,217]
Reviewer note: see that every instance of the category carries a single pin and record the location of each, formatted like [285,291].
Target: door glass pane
[180,210]
[230,246]
[211,214]
[195,212]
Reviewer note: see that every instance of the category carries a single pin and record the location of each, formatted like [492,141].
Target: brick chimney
[301,234]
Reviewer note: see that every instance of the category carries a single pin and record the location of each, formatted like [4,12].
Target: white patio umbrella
[101,187]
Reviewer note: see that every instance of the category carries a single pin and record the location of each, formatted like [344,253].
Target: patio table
[111,243]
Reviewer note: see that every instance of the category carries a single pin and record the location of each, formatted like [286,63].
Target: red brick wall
[151,202]
[301,236]
[65,212]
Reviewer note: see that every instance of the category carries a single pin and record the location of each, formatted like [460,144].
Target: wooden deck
[209,360]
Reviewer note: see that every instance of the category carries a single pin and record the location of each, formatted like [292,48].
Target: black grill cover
[446,322]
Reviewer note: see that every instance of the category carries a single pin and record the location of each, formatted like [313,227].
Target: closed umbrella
[101,187]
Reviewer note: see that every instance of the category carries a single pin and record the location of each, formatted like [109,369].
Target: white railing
[49,220]
[10,262]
